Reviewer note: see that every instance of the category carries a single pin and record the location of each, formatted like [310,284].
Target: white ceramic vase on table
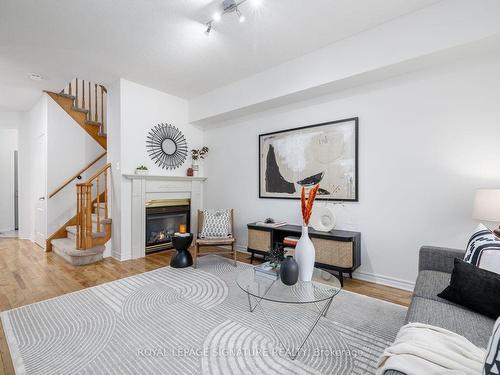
[305,255]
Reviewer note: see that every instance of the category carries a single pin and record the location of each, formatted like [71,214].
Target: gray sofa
[434,270]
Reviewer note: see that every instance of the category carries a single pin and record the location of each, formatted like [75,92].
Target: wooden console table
[337,250]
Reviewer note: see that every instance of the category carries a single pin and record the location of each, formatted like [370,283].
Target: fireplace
[163,217]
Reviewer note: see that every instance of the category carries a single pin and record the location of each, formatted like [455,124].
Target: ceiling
[162,44]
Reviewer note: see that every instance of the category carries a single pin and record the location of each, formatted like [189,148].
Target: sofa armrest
[438,258]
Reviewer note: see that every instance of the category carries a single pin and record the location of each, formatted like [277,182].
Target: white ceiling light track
[227,7]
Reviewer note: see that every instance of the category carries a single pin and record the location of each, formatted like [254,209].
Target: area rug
[187,321]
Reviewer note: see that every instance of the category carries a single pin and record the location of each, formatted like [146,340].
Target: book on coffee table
[271,225]
[265,270]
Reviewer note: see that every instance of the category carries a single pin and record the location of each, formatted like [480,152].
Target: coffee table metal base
[321,313]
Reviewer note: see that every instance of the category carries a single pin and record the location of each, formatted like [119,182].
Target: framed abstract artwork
[324,154]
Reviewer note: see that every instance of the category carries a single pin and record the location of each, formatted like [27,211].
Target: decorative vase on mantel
[195,167]
[305,255]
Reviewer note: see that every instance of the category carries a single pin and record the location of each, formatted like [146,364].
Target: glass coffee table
[318,292]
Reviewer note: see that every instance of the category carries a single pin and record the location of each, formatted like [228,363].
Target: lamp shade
[487,205]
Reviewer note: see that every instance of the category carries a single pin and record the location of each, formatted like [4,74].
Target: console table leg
[251,258]
[350,275]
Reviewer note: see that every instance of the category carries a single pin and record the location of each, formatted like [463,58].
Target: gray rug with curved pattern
[186,321]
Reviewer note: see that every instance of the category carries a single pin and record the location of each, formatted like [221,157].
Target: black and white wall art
[325,153]
[166,146]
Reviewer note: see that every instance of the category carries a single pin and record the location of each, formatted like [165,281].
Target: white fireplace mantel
[161,177]
[147,187]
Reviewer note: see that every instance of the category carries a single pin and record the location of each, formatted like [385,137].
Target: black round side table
[183,257]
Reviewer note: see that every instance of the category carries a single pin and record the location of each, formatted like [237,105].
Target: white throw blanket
[421,349]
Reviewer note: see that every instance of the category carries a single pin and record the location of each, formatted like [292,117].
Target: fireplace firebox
[163,218]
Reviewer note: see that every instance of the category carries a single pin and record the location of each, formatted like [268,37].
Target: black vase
[289,271]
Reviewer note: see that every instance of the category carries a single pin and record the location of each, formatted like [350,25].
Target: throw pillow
[475,288]
[483,250]
[216,224]
[492,360]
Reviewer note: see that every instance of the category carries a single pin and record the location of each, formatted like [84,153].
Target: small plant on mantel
[141,169]
[196,154]
[199,153]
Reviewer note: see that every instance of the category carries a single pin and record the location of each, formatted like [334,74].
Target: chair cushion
[216,224]
[215,241]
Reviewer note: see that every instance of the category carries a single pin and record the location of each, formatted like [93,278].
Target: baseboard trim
[366,276]
[384,280]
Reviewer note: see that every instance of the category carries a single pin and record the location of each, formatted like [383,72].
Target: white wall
[10,119]
[33,126]
[69,149]
[427,141]
[140,109]
[8,144]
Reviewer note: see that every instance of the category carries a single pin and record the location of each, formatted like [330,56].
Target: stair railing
[91,97]
[77,175]
[95,189]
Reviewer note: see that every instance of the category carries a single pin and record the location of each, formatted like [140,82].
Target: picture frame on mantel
[325,153]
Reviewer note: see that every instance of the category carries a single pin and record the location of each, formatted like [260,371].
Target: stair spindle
[106,194]
[83,93]
[102,109]
[90,103]
[70,87]
[95,102]
[98,206]
[76,96]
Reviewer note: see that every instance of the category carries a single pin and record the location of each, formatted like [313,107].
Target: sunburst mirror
[166,146]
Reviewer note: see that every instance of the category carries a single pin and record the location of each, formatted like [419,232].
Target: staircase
[81,240]
[85,102]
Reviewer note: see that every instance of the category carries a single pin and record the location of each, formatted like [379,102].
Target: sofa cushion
[483,250]
[430,283]
[473,326]
[472,287]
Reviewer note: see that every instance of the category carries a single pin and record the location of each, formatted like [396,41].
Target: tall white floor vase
[305,255]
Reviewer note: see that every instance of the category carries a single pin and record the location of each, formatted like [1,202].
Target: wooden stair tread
[72,97]
[93,123]
[83,110]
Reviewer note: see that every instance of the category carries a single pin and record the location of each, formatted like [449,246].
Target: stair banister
[85,201]
[77,174]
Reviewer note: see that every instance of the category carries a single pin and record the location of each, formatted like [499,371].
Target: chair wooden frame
[201,242]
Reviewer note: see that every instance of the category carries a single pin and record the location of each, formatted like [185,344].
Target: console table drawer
[335,253]
[259,240]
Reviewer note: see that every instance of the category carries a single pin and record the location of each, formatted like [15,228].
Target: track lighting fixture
[241,17]
[230,6]
[209,28]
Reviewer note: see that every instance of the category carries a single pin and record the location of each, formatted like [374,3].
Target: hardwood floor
[28,275]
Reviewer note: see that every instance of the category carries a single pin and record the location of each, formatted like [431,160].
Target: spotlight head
[209,28]
[256,3]
[241,17]
[217,16]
